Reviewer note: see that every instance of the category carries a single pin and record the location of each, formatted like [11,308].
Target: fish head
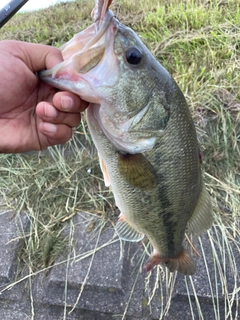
[108,65]
[86,64]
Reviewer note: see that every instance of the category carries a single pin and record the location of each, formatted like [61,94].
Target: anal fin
[126,232]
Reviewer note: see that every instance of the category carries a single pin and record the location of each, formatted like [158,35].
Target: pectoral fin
[104,171]
[136,170]
[126,232]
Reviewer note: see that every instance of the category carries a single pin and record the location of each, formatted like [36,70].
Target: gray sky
[33,4]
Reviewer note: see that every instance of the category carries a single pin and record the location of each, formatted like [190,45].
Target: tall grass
[198,42]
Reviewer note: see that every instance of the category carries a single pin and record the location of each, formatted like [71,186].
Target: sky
[33,4]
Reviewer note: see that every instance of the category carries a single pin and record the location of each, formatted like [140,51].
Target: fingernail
[50,112]
[67,103]
[49,127]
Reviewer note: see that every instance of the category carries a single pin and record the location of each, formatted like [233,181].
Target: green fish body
[146,140]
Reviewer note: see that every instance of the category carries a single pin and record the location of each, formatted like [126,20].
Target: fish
[144,134]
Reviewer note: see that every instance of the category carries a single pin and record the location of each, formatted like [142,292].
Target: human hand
[33,115]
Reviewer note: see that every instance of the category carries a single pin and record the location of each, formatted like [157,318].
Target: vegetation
[198,42]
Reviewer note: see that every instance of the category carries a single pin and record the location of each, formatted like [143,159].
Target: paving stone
[207,292]
[13,315]
[108,283]
[10,229]
[113,279]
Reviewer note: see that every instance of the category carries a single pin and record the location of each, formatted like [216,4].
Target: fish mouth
[89,38]
[81,55]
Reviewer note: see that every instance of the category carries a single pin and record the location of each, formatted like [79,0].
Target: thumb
[36,56]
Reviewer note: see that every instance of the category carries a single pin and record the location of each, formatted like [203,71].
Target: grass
[198,42]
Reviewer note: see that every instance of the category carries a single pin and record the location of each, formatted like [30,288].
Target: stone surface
[110,279]
[10,229]
[106,283]
[208,290]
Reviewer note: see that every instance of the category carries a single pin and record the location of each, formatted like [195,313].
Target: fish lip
[51,76]
[101,30]
[91,44]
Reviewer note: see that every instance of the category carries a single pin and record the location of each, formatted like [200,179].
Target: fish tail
[182,263]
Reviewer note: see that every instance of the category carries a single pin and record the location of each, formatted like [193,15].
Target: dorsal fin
[202,217]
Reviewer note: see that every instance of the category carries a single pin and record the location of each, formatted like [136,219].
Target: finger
[55,133]
[69,102]
[36,56]
[48,113]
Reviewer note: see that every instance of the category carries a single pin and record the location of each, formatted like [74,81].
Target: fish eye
[133,56]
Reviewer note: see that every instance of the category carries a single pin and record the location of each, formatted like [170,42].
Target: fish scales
[177,174]
[145,136]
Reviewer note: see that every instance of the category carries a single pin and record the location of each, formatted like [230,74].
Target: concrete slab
[110,280]
[10,231]
[107,283]
[213,291]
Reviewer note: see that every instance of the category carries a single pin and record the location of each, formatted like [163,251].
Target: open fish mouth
[87,39]
[83,67]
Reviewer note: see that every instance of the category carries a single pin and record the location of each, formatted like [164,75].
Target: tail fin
[182,263]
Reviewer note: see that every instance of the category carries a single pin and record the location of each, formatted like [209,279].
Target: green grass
[198,42]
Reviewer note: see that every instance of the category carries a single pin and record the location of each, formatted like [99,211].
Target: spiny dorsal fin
[126,232]
[202,217]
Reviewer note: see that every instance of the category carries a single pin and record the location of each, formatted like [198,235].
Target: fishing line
[118,8]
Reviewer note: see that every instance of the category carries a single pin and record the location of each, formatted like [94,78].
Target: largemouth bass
[142,128]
